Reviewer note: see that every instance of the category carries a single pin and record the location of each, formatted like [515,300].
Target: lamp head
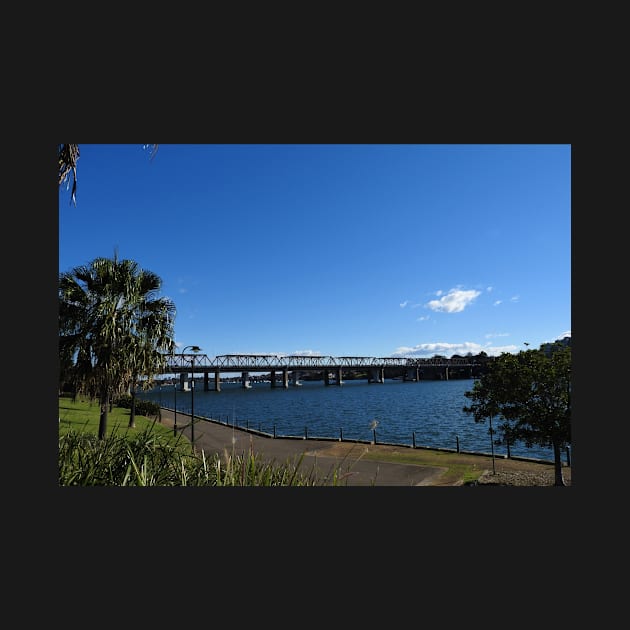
[193,348]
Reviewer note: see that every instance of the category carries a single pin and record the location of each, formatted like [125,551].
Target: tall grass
[147,459]
[149,455]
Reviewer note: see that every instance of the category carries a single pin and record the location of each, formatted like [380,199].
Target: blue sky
[346,250]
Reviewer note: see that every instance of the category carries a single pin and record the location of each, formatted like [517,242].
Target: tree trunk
[132,414]
[104,401]
[102,426]
[557,465]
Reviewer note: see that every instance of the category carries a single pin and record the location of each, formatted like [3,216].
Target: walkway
[213,437]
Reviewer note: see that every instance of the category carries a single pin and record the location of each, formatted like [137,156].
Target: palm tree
[67,158]
[113,329]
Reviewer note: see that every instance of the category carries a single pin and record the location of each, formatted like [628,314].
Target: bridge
[332,368]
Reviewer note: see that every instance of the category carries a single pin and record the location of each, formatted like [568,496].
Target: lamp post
[175,404]
[175,408]
[494,472]
[192,392]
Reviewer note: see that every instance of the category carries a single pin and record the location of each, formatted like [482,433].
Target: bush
[146,408]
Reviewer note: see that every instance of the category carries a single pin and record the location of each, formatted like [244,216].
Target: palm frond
[67,158]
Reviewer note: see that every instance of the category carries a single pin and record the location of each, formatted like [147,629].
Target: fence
[274,434]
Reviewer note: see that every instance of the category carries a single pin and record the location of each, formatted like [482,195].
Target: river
[425,413]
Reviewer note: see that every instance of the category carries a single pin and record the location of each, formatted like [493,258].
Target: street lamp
[175,403]
[494,472]
[175,410]
[192,392]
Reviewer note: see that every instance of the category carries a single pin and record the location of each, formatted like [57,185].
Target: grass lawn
[84,415]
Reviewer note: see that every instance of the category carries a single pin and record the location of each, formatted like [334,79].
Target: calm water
[430,409]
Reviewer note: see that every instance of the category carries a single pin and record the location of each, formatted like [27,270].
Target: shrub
[146,408]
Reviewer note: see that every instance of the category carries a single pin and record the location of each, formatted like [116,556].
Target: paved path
[213,437]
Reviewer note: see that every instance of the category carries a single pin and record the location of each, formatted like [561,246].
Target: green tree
[67,158]
[531,393]
[113,329]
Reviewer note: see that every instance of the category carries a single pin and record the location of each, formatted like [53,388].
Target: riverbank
[369,464]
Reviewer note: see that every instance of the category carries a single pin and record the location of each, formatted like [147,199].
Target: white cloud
[515,298]
[559,337]
[497,303]
[308,353]
[455,301]
[403,304]
[423,318]
[490,335]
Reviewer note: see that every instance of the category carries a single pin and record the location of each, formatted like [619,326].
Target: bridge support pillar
[339,376]
[296,378]
[411,374]
[285,378]
[326,378]
[182,382]
[245,380]
[217,381]
[446,373]
[205,382]
[273,378]
[377,375]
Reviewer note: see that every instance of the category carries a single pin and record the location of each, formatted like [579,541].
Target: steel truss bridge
[332,368]
[182,363]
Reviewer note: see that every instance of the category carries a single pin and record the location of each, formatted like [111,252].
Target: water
[432,410]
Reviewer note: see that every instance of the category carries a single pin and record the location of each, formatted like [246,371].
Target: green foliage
[530,394]
[112,329]
[530,391]
[143,407]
